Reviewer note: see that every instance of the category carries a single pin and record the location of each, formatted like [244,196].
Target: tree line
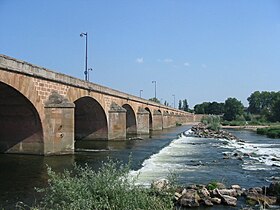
[265,106]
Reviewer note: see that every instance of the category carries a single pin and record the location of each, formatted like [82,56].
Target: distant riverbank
[245,127]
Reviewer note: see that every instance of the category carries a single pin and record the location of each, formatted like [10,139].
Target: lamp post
[140,93]
[90,69]
[174,100]
[155,88]
[86,69]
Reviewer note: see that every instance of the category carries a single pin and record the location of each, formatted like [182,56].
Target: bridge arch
[131,127]
[90,120]
[21,128]
[150,118]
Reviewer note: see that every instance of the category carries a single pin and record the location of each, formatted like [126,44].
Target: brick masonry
[37,84]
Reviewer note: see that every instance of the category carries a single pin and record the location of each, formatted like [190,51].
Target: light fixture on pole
[140,93]
[90,69]
[86,69]
[174,99]
[155,88]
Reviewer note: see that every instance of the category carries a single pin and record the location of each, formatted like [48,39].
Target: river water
[193,160]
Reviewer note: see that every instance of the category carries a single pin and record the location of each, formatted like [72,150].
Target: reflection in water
[19,174]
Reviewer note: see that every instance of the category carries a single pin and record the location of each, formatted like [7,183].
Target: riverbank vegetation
[112,188]
[263,109]
[212,122]
[109,188]
[271,132]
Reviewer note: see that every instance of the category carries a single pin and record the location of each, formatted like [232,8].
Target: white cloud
[139,60]
[187,64]
[168,60]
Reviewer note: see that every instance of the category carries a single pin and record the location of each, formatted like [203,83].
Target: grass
[109,188]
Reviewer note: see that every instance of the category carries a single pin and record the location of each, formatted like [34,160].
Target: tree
[166,103]
[264,104]
[275,109]
[209,108]
[180,105]
[215,108]
[201,108]
[254,102]
[185,106]
[233,109]
[154,100]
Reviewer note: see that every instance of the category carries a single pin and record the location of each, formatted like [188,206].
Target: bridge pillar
[142,121]
[58,125]
[117,122]
[157,120]
[172,120]
[166,120]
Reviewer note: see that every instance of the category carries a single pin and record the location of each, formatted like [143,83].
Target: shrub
[262,131]
[271,132]
[212,122]
[110,188]
[178,124]
[212,185]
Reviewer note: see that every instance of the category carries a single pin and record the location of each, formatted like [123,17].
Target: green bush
[109,188]
[212,122]
[262,131]
[212,185]
[271,132]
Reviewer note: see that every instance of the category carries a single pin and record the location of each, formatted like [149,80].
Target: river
[193,160]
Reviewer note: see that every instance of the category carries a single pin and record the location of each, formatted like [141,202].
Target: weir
[44,112]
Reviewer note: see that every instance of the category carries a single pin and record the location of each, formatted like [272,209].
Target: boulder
[189,199]
[264,200]
[177,196]
[220,185]
[207,202]
[236,187]
[203,192]
[230,192]
[229,200]
[226,199]
[161,184]
[216,200]
[254,190]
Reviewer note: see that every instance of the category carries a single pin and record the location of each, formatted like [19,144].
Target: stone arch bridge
[44,112]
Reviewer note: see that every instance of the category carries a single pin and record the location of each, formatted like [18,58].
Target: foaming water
[164,162]
[262,153]
[201,160]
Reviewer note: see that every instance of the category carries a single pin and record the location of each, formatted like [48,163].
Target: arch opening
[131,128]
[20,124]
[150,119]
[90,120]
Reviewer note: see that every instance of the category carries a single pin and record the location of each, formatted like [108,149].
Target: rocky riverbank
[217,194]
[202,131]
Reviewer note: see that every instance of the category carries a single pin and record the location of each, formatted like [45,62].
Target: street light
[86,69]
[174,99]
[140,93]
[90,69]
[155,88]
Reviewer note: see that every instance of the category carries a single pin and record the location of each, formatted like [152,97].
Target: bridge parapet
[41,73]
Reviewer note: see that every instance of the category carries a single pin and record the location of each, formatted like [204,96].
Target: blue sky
[201,50]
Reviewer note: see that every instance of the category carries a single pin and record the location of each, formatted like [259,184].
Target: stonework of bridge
[44,112]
